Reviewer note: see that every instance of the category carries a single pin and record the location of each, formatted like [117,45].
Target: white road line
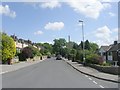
[86,76]
[90,78]
[3,72]
[101,86]
[94,82]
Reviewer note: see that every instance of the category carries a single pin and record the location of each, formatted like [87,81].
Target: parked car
[59,57]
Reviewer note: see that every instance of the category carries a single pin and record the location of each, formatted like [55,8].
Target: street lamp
[83,42]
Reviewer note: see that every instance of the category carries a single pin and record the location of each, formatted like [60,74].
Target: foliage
[59,45]
[94,47]
[35,51]
[92,59]
[106,64]
[8,48]
[26,53]
[45,48]
[29,52]
[87,45]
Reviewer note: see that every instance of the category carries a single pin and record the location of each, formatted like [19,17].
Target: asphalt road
[52,73]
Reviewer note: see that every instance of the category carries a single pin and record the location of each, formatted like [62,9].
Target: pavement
[52,73]
[93,72]
[8,68]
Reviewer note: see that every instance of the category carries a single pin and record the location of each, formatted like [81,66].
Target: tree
[28,52]
[25,53]
[73,54]
[87,45]
[75,46]
[81,45]
[59,45]
[94,47]
[35,51]
[8,48]
[48,48]
[45,48]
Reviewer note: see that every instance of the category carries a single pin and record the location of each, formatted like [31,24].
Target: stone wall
[106,69]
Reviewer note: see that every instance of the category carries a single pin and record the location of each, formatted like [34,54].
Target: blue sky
[45,21]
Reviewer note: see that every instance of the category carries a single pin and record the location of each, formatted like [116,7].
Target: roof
[114,47]
[105,48]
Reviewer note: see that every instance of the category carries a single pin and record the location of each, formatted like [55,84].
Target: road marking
[94,82]
[86,76]
[90,78]
[3,72]
[101,86]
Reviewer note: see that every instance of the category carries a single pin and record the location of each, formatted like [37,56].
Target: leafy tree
[35,51]
[73,54]
[75,46]
[8,48]
[29,52]
[93,47]
[45,48]
[87,45]
[81,45]
[26,53]
[59,45]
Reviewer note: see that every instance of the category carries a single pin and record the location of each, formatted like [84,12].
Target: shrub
[8,48]
[25,53]
[29,52]
[79,56]
[35,51]
[92,59]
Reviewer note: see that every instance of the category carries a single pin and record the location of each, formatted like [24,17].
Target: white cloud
[103,32]
[50,42]
[38,33]
[104,36]
[115,30]
[109,0]
[54,26]
[91,8]
[50,4]
[111,14]
[5,10]
[105,0]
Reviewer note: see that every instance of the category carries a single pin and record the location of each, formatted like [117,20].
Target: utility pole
[83,42]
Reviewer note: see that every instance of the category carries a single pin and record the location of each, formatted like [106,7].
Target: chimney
[69,38]
[115,42]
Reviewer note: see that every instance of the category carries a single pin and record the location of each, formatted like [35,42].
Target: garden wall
[106,69]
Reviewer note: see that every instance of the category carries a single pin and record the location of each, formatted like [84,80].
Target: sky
[47,20]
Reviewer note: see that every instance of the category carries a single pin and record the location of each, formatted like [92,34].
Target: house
[112,52]
[103,52]
[21,43]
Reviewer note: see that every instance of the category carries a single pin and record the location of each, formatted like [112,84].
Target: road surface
[52,73]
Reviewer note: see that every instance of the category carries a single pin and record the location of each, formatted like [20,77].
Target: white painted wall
[110,58]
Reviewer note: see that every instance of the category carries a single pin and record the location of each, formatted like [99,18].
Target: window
[109,53]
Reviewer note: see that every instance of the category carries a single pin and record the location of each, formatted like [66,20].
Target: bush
[25,53]
[8,48]
[92,59]
[106,64]
[29,52]
[35,51]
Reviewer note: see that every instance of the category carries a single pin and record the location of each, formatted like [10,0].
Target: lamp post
[83,42]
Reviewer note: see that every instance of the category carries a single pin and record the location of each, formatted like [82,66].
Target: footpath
[16,66]
[93,72]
